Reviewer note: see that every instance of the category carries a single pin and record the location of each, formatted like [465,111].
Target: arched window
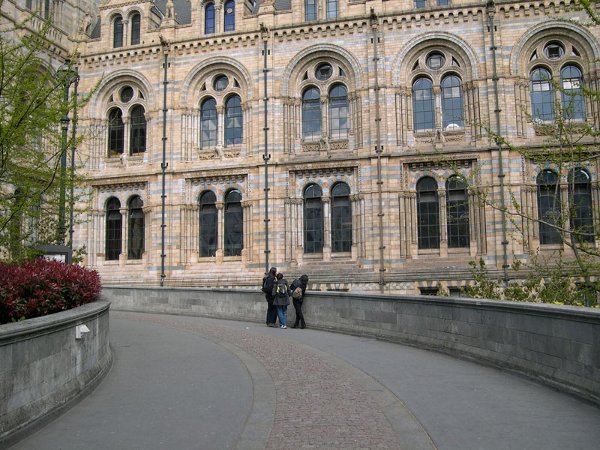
[341,218]
[428,214]
[549,210]
[310,10]
[135,28]
[311,114]
[209,18]
[457,207]
[137,123]
[113,229]
[452,103]
[136,229]
[233,121]
[208,224]
[423,105]
[573,102]
[234,224]
[332,9]
[208,123]
[580,194]
[118,32]
[116,132]
[338,112]
[229,15]
[313,219]
[542,95]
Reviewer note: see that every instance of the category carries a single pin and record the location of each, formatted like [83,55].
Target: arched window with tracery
[573,101]
[135,28]
[338,112]
[311,114]
[208,224]
[580,194]
[208,123]
[423,105]
[116,132]
[452,103]
[542,95]
[209,18]
[234,224]
[457,212]
[118,32]
[549,207]
[428,214]
[233,120]
[313,219]
[341,218]
[137,124]
[114,229]
[136,229]
[229,18]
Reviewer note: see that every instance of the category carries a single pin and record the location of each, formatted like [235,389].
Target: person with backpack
[267,288]
[281,299]
[298,289]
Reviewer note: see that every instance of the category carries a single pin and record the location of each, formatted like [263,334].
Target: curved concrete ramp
[195,383]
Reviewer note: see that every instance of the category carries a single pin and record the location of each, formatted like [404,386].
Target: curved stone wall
[43,366]
[557,345]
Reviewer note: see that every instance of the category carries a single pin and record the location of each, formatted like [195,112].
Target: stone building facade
[356,131]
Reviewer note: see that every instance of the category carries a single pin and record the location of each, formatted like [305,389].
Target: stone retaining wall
[43,366]
[558,345]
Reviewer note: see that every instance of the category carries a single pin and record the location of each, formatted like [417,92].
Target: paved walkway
[195,383]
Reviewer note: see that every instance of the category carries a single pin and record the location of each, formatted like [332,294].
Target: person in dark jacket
[301,283]
[281,299]
[268,284]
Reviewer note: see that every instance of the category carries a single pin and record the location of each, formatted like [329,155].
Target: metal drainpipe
[378,150]
[164,165]
[491,10]
[73,150]
[266,156]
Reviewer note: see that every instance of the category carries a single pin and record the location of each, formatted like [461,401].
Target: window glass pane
[208,224]
[324,71]
[573,101]
[428,214]
[581,209]
[135,29]
[423,105]
[233,121]
[542,95]
[332,9]
[126,94]
[209,19]
[118,32]
[341,219]
[135,241]
[310,10]
[208,123]
[313,220]
[549,210]
[230,16]
[554,50]
[116,132]
[338,112]
[457,205]
[420,4]
[113,229]
[452,103]
[435,61]
[311,114]
[138,131]
[234,224]
[220,83]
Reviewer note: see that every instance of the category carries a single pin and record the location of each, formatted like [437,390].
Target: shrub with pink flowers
[42,287]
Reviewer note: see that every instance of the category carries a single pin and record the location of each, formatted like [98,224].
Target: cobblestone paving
[318,404]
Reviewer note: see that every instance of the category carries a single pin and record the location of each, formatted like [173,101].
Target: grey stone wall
[43,366]
[557,345]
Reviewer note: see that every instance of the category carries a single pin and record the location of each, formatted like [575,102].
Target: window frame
[428,214]
[549,203]
[314,223]
[136,244]
[233,226]
[114,230]
[208,224]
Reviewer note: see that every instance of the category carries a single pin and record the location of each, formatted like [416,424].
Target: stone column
[220,233]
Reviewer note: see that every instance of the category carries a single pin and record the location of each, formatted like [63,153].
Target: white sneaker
[283,327]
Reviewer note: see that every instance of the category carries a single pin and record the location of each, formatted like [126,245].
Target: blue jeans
[282,314]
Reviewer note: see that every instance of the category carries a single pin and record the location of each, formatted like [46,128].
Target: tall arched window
[135,28]
[209,18]
[338,112]
[452,103]
[542,95]
[457,207]
[137,124]
[208,224]
[208,123]
[118,32]
[114,227]
[573,102]
[313,219]
[229,16]
[233,121]
[341,218]
[311,114]
[580,194]
[136,229]
[234,224]
[423,105]
[116,132]
[310,10]
[332,9]
[428,214]
[549,209]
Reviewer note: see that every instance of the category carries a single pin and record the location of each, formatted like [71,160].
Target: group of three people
[278,292]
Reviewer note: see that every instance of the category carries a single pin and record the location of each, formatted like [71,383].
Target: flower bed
[42,287]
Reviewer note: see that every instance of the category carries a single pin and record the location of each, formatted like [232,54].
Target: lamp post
[66,76]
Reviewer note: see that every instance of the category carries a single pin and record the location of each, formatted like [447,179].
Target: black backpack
[264,286]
